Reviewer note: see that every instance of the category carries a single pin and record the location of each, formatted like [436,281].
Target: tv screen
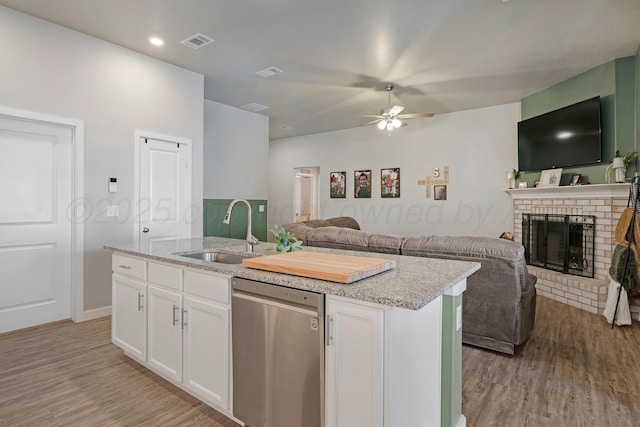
[569,136]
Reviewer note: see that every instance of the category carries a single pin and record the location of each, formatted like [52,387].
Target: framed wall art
[362,184]
[338,185]
[390,182]
[550,177]
[439,192]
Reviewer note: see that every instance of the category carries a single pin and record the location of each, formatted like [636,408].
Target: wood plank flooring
[573,371]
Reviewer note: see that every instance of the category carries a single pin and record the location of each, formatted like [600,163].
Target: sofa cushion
[315,223]
[339,238]
[385,243]
[344,221]
[512,253]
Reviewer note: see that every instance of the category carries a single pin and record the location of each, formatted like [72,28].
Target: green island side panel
[215,209]
[451,403]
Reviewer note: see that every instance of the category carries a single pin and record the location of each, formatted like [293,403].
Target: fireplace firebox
[563,243]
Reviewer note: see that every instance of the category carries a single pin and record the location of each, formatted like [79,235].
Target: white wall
[479,146]
[236,149]
[53,70]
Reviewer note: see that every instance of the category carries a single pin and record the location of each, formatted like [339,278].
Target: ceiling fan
[390,117]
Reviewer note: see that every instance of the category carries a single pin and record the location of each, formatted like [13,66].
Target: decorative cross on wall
[439,176]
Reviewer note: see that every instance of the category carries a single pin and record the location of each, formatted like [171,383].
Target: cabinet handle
[140,306]
[175,319]
[329,329]
[125,267]
[184,318]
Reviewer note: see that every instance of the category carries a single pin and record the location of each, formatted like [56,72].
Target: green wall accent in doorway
[215,209]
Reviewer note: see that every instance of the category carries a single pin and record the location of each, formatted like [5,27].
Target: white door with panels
[164,190]
[36,188]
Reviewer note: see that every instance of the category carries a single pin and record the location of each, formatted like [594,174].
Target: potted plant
[286,242]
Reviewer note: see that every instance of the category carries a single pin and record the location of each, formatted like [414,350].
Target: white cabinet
[354,364]
[383,364]
[207,351]
[129,319]
[176,322]
[165,331]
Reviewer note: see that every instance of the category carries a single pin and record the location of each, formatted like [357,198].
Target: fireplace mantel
[571,191]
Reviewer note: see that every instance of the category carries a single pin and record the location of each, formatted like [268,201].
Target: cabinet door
[165,332]
[129,318]
[354,365]
[207,351]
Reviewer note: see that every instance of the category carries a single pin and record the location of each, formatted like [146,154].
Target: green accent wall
[215,209]
[451,381]
[616,84]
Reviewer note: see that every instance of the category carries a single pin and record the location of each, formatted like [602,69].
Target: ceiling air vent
[268,72]
[196,41]
[254,107]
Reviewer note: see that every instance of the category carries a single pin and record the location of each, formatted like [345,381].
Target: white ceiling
[337,55]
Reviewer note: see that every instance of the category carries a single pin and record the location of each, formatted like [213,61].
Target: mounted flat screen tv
[566,137]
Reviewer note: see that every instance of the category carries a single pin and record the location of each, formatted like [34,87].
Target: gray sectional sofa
[499,305]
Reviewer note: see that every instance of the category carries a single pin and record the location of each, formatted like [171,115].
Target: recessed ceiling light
[156,41]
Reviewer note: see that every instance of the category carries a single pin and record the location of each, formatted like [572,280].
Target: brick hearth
[606,202]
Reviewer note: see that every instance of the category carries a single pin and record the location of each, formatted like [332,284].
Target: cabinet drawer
[129,266]
[210,286]
[165,275]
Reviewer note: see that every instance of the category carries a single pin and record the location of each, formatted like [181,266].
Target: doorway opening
[305,193]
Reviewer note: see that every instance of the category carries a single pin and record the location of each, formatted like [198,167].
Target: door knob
[145,230]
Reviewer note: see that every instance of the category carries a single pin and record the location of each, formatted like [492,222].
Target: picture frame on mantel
[550,177]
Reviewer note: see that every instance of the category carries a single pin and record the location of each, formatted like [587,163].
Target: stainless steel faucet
[251,240]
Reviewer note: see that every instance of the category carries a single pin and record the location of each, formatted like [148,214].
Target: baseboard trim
[95,314]
[462,421]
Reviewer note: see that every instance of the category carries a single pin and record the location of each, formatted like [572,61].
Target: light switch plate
[260,208]
[113,211]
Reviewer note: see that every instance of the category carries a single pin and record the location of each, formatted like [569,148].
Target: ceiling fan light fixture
[396,122]
[390,125]
[382,124]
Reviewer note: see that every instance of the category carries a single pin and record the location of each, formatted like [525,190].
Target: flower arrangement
[286,242]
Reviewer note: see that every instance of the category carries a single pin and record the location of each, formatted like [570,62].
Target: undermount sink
[215,256]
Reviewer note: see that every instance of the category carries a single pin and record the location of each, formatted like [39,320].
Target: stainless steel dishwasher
[278,355]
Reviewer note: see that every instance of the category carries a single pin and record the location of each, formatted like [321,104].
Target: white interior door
[305,198]
[36,187]
[165,190]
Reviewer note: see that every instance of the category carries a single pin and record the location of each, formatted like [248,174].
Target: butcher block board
[331,267]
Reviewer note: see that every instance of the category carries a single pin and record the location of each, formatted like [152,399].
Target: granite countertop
[415,282]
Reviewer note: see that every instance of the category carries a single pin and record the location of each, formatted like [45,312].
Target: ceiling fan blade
[371,115]
[414,115]
[373,121]
[395,110]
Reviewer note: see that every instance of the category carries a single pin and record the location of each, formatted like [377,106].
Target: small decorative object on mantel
[550,177]
[513,175]
[619,165]
[575,179]
[286,242]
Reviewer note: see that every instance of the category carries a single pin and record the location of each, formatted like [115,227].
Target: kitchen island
[395,348]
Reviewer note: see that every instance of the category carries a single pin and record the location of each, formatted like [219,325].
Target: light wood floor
[573,371]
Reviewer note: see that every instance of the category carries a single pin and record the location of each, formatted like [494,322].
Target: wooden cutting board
[331,267]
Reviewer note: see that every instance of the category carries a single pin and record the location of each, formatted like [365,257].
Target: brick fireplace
[604,201]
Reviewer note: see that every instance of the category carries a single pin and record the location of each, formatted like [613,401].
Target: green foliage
[286,242]
[516,174]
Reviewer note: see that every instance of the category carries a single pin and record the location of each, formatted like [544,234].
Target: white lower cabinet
[354,364]
[164,331]
[383,364]
[178,324]
[129,317]
[206,350]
